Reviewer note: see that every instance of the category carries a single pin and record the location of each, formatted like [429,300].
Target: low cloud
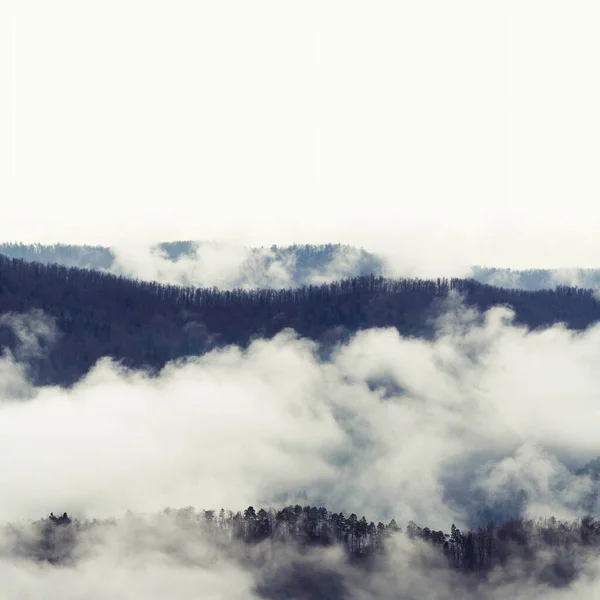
[34,333]
[387,426]
[33,330]
[538,279]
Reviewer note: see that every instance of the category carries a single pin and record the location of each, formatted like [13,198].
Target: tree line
[562,544]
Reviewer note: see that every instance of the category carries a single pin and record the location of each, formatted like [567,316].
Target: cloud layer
[387,426]
[487,415]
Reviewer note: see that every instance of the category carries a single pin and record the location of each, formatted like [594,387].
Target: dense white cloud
[386,427]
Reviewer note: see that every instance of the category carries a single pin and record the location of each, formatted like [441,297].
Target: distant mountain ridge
[537,279]
[80,256]
[274,267]
[210,264]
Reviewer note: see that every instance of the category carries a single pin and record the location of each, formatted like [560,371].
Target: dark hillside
[148,324]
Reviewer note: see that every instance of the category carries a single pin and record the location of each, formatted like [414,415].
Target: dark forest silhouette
[145,324]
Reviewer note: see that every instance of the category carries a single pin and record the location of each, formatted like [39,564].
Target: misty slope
[147,324]
[81,256]
[537,279]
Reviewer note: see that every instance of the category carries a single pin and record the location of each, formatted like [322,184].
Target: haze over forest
[299,301]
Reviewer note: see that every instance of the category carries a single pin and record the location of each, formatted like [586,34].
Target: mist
[155,555]
[230,265]
[386,426]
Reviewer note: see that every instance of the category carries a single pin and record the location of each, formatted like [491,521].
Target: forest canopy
[146,324]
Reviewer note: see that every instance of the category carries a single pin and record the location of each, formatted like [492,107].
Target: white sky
[469,129]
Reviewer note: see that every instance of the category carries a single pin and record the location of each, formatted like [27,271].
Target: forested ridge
[548,549]
[147,324]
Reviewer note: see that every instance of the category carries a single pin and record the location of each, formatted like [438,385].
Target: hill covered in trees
[278,544]
[146,324]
